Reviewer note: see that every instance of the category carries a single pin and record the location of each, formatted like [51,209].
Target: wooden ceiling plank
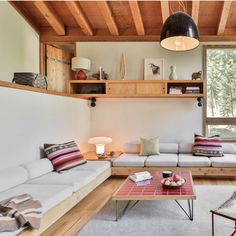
[24,14]
[165,10]
[51,16]
[108,17]
[80,18]
[137,17]
[224,17]
[195,10]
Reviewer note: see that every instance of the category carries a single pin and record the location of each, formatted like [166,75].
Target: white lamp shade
[100,140]
[81,63]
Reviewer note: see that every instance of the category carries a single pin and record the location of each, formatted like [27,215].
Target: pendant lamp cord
[181,5]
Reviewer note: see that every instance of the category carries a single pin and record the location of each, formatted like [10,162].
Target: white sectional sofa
[175,156]
[58,192]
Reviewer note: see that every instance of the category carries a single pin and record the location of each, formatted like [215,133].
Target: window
[220,73]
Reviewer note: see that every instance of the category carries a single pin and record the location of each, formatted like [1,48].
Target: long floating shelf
[133,88]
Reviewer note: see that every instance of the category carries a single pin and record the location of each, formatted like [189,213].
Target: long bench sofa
[175,156]
[58,192]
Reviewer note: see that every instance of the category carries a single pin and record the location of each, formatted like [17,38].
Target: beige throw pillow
[149,146]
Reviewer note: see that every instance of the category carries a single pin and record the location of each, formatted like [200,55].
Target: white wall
[19,44]
[107,54]
[28,120]
[126,120]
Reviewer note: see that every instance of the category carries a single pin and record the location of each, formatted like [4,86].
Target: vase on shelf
[173,75]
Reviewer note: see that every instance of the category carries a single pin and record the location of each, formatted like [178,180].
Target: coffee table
[153,190]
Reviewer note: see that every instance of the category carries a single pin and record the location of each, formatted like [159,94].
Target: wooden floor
[72,222]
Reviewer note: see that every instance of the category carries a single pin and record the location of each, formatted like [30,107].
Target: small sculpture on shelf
[197,75]
[173,75]
[101,75]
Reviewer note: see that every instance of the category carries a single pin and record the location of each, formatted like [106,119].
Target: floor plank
[73,221]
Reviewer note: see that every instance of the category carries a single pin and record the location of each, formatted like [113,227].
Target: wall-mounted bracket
[199,101]
[93,102]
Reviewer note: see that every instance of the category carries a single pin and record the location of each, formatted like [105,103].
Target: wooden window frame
[214,121]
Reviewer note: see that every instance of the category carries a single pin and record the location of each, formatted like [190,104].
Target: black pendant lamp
[179,33]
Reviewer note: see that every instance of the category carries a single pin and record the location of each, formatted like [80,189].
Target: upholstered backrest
[12,176]
[228,148]
[185,147]
[164,148]
[38,167]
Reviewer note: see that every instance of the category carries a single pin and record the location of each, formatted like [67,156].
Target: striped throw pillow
[64,156]
[207,146]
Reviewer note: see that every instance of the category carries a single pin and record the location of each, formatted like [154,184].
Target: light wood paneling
[224,17]
[195,10]
[150,88]
[165,10]
[121,88]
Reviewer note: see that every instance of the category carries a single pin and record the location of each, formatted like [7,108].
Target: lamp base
[80,75]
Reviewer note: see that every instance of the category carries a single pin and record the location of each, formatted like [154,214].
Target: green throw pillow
[149,146]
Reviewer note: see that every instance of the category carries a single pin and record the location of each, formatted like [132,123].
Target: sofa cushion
[96,166]
[185,148]
[228,160]
[149,146]
[76,179]
[164,159]
[169,148]
[228,148]
[12,176]
[207,146]
[193,161]
[38,167]
[48,195]
[64,156]
[128,159]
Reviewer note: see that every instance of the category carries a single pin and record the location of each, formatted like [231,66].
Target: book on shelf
[175,90]
[192,89]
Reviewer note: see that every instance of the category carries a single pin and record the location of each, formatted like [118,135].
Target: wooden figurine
[197,75]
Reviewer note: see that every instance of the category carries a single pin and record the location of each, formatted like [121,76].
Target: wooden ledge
[38,90]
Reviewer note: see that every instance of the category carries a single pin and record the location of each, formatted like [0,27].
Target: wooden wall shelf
[133,88]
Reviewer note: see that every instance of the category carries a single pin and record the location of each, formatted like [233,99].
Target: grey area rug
[164,218]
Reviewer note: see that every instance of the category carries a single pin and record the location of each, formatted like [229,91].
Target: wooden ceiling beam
[51,16]
[79,17]
[195,10]
[137,17]
[19,8]
[165,10]
[108,17]
[224,17]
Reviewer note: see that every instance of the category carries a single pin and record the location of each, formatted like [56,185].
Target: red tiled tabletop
[153,189]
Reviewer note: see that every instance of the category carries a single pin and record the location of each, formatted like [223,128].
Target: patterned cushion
[207,146]
[64,156]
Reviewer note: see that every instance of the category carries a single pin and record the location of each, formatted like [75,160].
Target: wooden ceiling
[71,21]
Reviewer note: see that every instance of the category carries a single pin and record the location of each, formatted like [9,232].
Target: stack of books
[140,176]
[175,90]
[192,89]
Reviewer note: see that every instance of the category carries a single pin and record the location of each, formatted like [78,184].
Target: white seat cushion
[164,159]
[76,179]
[127,159]
[38,167]
[193,161]
[228,160]
[12,176]
[48,195]
[96,166]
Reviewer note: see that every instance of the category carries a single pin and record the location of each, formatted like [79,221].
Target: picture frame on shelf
[153,68]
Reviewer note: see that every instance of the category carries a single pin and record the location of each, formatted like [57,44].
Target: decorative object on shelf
[30,79]
[93,102]
[122,67]
[173,75]
[81,65]
[101,74]
[179,32]
[100,142]
[153,68]
[197,75]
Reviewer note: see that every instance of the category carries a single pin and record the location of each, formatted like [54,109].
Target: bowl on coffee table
[173,182]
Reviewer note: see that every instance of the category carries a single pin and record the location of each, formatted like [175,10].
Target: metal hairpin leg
[212,224]
[190,209]
[125,208]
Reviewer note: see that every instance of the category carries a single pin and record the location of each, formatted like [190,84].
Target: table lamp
[81,65]
[100,143]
